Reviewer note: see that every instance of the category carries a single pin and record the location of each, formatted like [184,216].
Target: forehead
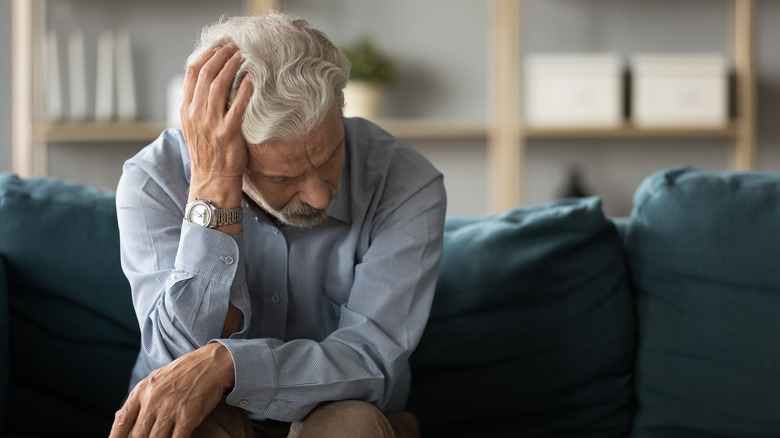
[293,157]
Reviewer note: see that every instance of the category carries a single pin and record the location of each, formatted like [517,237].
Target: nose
[314,191]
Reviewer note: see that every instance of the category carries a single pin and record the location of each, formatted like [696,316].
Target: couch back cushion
[532,329]
[73,332]
[704,253]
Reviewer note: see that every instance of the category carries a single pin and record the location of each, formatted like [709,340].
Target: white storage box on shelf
[679,91]
[573,90]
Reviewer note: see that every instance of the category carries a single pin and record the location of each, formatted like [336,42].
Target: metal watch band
[215,217]
[228,216]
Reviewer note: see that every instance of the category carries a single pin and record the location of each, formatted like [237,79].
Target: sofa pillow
[532,330]
[704,253]
[73,332]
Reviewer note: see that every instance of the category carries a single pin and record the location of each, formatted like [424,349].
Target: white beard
[297,214]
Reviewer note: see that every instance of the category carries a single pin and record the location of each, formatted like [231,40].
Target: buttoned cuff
[255,373]
[211,254]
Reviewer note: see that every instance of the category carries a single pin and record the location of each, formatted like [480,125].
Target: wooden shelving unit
[31,134]
[98,132]
[629,131]
[407,129]
[508,133]
[504,131]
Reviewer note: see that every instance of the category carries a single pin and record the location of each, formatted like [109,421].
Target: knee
[347,418]
[350,411]
[225,421]
[358,408]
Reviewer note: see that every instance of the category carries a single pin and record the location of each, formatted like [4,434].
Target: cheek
[334,172]
[271,197]
[274,196]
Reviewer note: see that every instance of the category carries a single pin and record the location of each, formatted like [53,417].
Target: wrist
[222,192]
[223,365]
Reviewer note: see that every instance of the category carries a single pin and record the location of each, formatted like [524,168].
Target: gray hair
[297,73]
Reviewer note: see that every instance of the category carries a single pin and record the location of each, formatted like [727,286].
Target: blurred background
[460,89]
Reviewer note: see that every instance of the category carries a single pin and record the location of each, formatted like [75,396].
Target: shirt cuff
[211,254]
[255,373]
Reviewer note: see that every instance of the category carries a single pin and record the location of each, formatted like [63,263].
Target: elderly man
[282,258]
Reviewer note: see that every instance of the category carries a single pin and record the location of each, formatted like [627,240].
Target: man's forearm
[224,194]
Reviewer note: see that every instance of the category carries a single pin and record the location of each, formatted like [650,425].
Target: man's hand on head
[218,151]
[174,400]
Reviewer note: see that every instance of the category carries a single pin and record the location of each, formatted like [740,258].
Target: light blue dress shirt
[329,313]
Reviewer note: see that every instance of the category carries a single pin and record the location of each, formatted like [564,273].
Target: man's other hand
[175,399]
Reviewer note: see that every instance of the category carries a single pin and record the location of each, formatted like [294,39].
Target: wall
[442,74]
[441,45]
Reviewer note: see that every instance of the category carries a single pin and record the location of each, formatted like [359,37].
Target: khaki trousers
[347,419]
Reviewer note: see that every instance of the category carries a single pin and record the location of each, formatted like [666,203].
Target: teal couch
[549,321]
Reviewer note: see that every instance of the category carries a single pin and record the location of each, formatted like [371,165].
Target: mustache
[304,215]
[304,209]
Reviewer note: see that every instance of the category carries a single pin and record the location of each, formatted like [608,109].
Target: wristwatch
[202,212]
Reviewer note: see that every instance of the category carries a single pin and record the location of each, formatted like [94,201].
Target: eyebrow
[332,154]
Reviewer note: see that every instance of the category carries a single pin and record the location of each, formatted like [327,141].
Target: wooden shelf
[509,133]
[630,131]
[98,132]
[407,129]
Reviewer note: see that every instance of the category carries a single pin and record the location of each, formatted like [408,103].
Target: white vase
[362,99]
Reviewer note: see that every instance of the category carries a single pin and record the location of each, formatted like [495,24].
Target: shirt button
[275,299]
[227,259]
[243,402]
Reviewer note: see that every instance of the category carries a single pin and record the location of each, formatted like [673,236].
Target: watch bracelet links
[228,216]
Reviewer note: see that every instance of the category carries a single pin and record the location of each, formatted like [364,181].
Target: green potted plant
[372,72]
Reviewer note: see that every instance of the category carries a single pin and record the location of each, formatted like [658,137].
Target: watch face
[200,214]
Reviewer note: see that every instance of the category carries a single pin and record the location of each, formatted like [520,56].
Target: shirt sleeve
[182,275]
[366,357]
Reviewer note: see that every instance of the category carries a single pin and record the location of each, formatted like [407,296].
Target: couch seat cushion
[532,330]
[704,253]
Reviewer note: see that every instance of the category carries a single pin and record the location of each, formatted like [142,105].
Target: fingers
[191,77]
[221,85]
[208,75]
[125,419]
[235,116]
[162,429]
[183,429]
[145,423]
